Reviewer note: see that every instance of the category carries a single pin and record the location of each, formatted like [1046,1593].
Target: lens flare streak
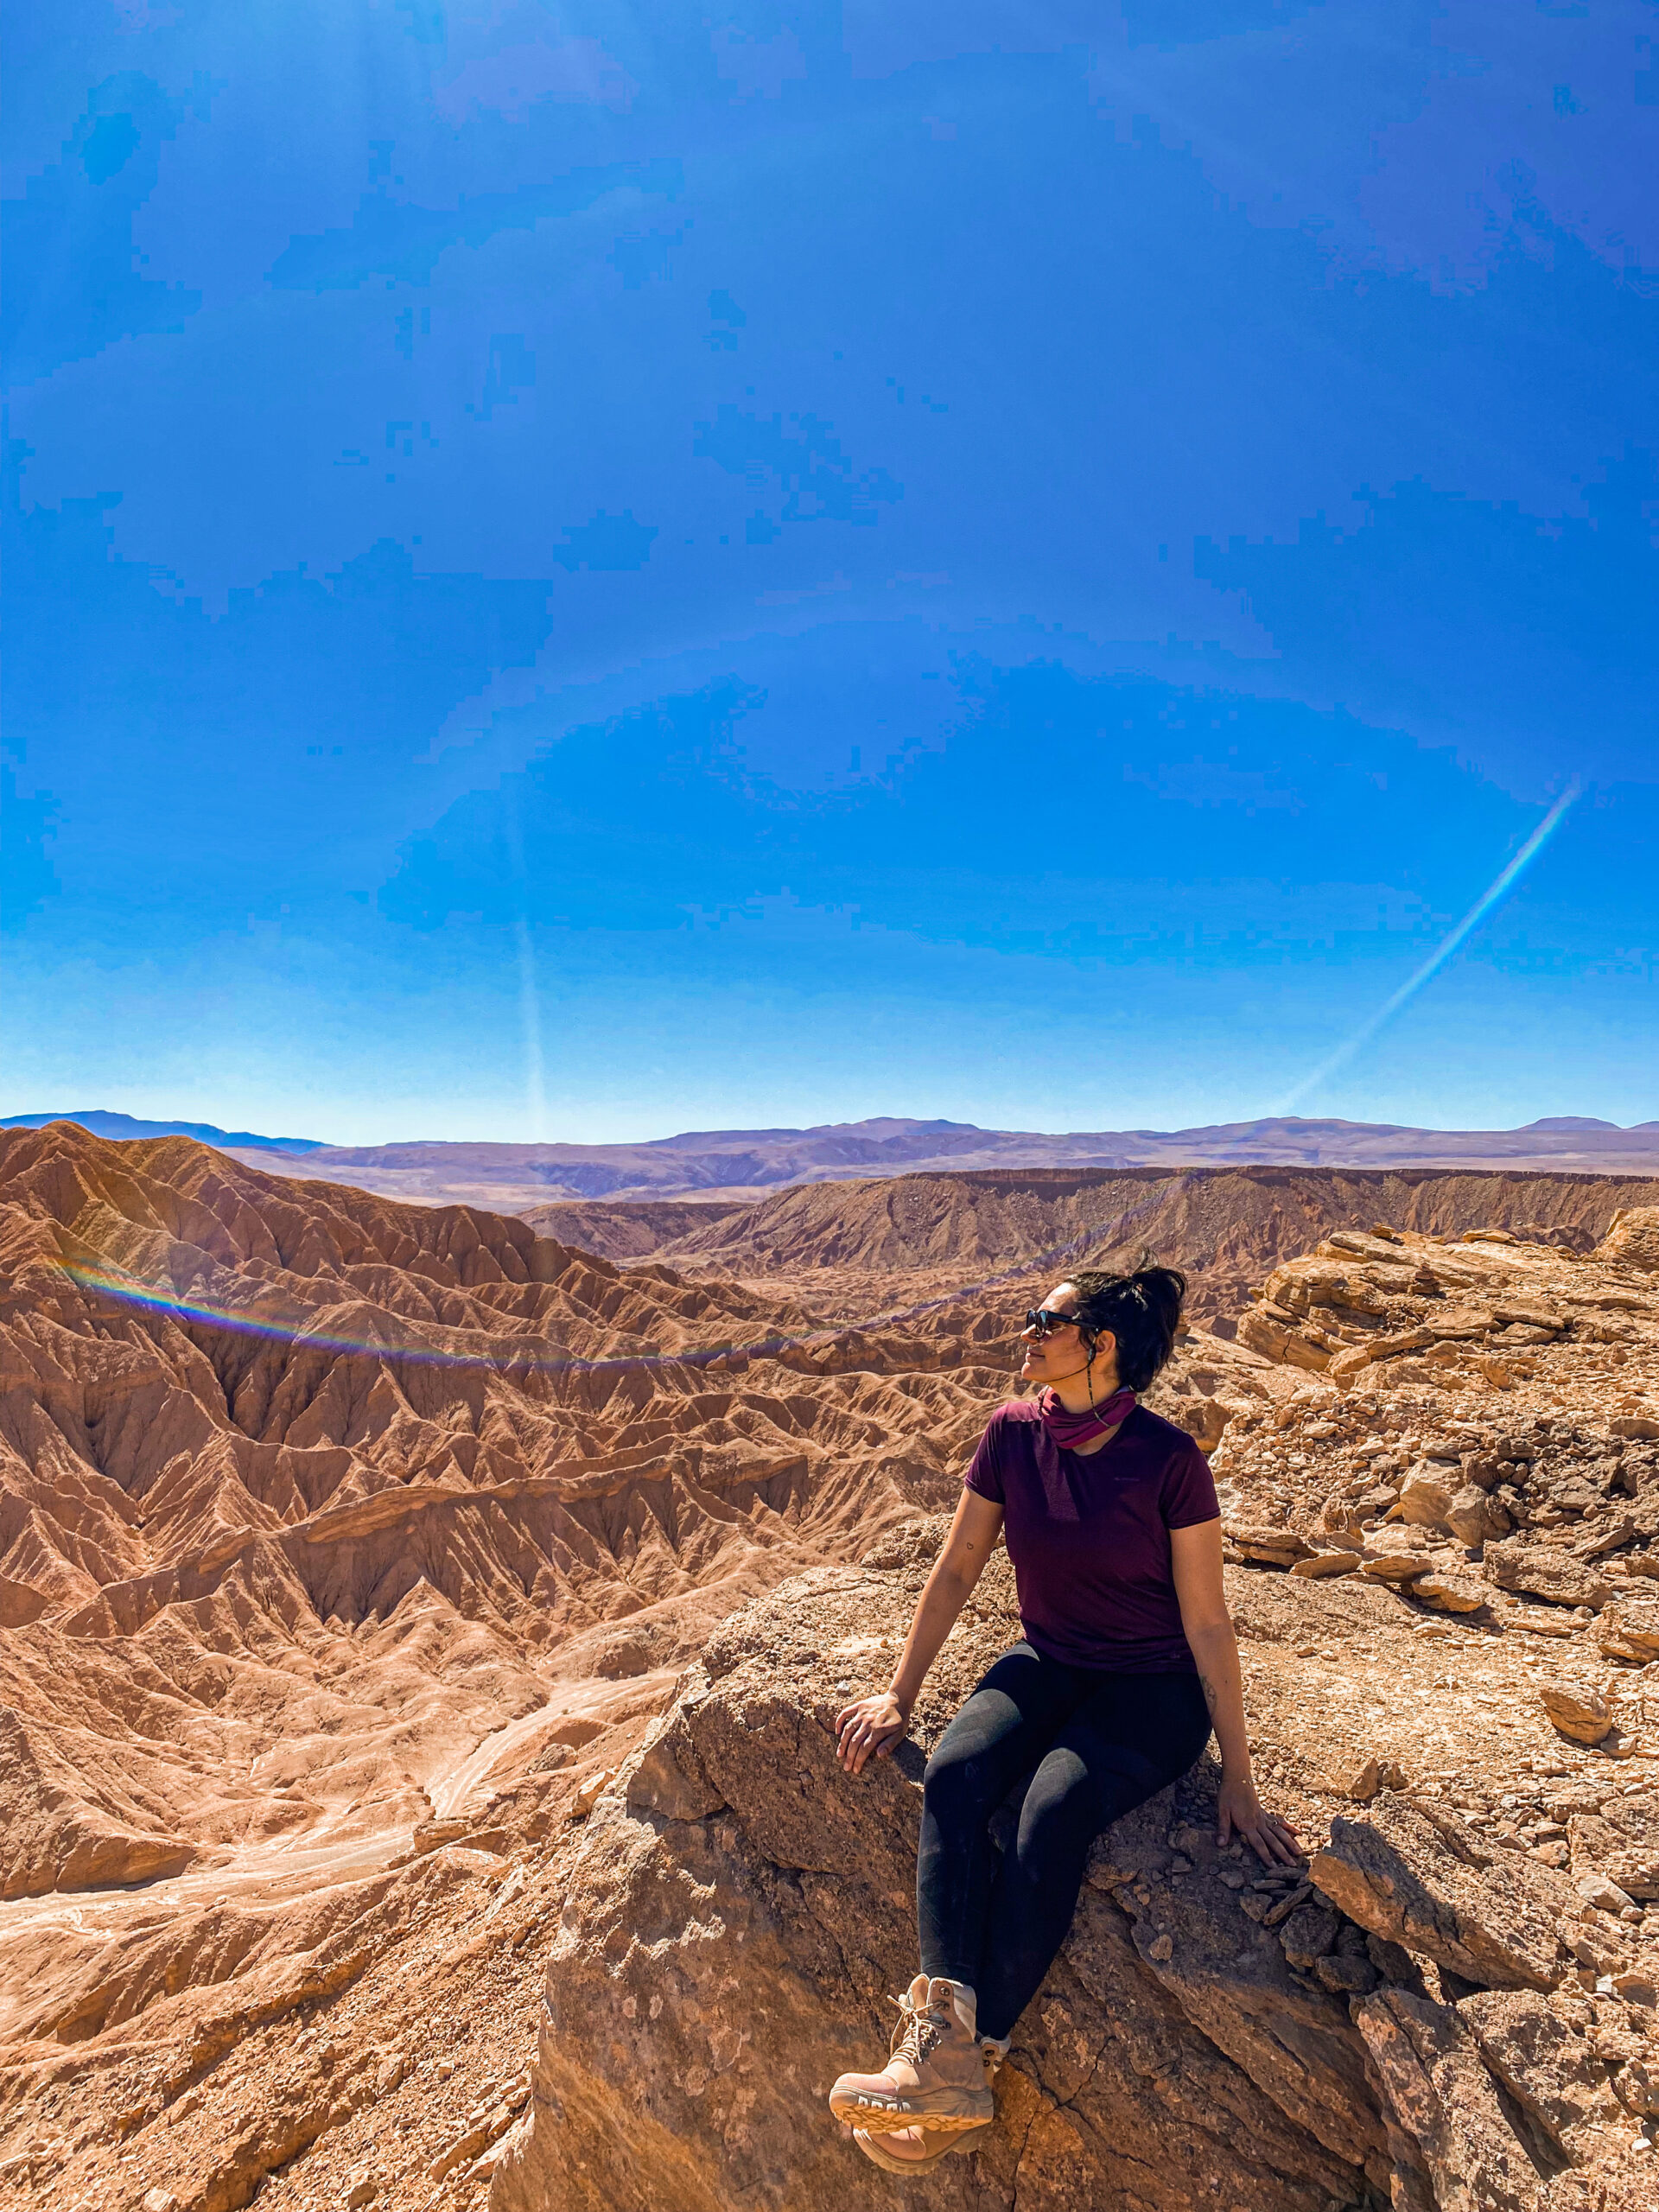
[1489,899]
[527,1355]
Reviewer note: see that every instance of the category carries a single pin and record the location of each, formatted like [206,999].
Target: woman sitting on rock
[1128,1660]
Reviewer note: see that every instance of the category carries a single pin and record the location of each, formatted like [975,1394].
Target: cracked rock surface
[1401,2025]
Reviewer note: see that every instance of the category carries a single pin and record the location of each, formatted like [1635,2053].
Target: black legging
[1100,1744]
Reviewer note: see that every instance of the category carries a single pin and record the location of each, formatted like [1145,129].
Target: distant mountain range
[744,1163]
[102,1124]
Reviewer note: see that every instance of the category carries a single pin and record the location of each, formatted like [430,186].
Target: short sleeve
[1190,1490]
[984,1475]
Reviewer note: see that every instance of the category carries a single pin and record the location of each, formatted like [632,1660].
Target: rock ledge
[739,1911]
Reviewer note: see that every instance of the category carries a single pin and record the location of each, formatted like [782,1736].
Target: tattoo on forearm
[1211,1694]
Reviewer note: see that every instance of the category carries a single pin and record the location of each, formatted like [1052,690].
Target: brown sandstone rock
[668,1778]
[1474,1517]
[1547,2069]
[1633,1239]
[1621,1840]
[1628,1630]
[1276,1339]
[1395,1567]
[1529,1314]
[1584,1716]
[1537,1573]
[1399,1875]
[1308,1932]
[1459,1324]
[713,1973]
[1449,1593]
[1444,2103]
[1606,1896]
[1354,1360]
[1272,1547]
[724,1951]
[1320,1566]
[1423,1503]
[1362,1782]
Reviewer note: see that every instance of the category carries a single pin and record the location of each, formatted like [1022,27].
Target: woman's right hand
[870,1727]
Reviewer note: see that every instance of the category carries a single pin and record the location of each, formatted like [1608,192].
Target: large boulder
[740,1910]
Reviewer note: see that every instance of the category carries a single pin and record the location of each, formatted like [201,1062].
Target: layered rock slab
[1412,1879]
[740,1910]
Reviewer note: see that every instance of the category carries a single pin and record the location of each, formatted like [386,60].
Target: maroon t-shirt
[1089,1535]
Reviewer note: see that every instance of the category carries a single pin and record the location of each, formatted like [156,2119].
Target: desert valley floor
[419,1628]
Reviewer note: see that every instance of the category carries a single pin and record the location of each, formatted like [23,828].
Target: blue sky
[584,571]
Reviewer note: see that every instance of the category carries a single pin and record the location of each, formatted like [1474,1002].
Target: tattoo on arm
[1209,1695]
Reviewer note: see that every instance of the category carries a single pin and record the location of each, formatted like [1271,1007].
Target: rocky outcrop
[739,1909]
[1458,2150]
[1536,1572]
[1411,1879]
[1633,1239]
[1476,1424]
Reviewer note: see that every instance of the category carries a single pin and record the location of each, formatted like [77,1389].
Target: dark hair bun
[1142,1311]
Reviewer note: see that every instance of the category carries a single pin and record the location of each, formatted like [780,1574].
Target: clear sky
[584,571]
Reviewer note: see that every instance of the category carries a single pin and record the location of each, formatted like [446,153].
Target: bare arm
[871,1726]
[1195,1556]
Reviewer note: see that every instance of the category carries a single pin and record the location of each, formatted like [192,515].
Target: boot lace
[918,2033]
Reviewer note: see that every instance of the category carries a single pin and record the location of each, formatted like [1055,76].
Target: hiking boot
[935,2075]
[918,2150]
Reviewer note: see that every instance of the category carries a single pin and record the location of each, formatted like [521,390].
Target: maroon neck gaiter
[1068,1430]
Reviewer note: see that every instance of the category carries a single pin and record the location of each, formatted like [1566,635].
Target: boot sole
[871,2146]
[947,2112]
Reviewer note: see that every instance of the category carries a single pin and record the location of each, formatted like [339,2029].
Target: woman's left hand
[1240,1812]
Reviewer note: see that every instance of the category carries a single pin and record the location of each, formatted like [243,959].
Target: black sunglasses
[1045,1320]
